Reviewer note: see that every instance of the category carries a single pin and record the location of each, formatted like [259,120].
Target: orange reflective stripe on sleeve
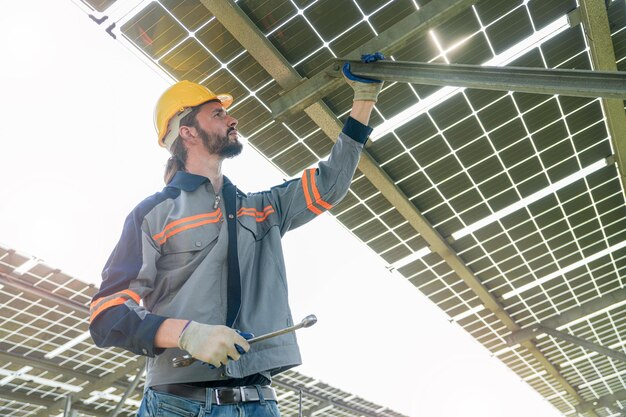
[316,194]
[307,196]
[313,198]
[101,304]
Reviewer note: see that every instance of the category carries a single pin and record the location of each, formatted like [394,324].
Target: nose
[232,122]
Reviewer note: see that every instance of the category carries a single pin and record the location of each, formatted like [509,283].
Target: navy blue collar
[190,182]
[186,181]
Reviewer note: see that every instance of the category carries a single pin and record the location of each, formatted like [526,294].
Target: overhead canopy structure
[47,355]
[505,208]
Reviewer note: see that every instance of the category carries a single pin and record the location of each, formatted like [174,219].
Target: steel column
[596,25]
[131,388]
[67,410]
[579,83]
[588,308]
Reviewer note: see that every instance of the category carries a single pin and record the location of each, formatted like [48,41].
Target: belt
[219,396]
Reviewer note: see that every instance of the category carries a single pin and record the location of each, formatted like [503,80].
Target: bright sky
[79,152]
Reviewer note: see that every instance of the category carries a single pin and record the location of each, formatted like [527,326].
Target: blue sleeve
[117,317]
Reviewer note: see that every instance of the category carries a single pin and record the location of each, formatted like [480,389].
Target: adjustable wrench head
[309,320]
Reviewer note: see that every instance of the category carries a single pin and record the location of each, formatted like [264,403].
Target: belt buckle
[217,396]
[242,395]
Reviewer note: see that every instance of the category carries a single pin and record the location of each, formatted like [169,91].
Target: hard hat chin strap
[173,127]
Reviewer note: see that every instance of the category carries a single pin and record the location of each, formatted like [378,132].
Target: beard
[220,145]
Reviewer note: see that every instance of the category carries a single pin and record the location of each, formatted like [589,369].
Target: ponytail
[177,161]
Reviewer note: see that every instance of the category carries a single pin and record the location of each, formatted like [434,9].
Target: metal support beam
[606,401]
[131,388]
[585,344]
[100,385]
[250,37]
[578,83]
[605,302]
[388,42]
[8,280]
[7,357]
[596,25]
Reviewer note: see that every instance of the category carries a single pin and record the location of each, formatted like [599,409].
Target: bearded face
[227,146]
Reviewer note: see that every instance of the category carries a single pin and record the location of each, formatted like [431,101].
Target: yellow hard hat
[172,106]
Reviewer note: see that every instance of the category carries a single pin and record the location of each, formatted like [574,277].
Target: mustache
[230,129]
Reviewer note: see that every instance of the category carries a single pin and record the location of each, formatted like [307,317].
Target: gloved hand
[364,88]
[213,344]
[246,336]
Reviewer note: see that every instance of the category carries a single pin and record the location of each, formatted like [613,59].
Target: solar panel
[520,204]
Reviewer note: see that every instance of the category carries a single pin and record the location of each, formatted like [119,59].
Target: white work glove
[365,89]
[213,344]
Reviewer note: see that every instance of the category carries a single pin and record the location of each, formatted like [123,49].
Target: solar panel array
[521,187]
[46,354]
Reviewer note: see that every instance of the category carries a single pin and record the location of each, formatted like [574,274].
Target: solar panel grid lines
[494,288]
[561,273]
[554,236]
[476,204]
[497,60]
[545,223]
[499,193]
[464,95]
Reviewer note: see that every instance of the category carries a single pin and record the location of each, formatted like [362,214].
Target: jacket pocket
[194,238]
[257,226]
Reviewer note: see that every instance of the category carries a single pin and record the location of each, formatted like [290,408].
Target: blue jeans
[161,404]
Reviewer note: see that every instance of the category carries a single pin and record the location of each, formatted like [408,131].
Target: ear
[187,132]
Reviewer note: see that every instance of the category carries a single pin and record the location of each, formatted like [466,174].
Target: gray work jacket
[171,262]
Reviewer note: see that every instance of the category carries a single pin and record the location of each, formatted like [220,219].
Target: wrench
[308,321]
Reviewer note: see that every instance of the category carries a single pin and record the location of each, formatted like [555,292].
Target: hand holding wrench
[308,321]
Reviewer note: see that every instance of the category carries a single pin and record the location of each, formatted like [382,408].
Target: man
[199,265]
